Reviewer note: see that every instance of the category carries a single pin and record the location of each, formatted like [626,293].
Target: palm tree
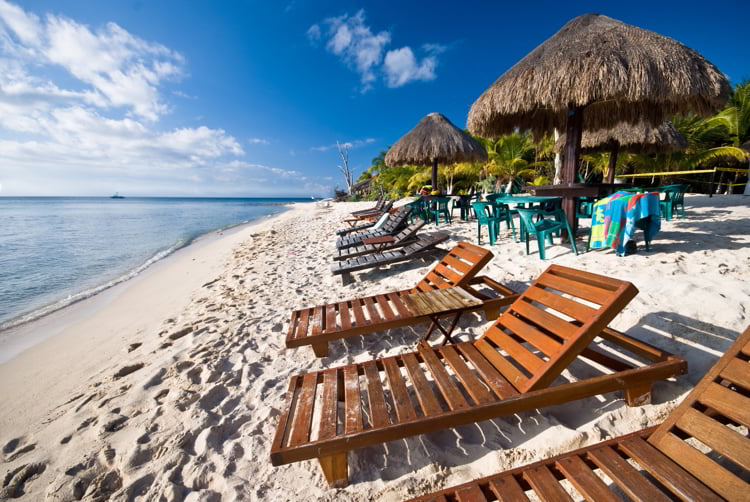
[736,119]
[511,157]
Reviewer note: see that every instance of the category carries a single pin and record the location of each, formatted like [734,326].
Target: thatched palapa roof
[435,138]
[638,138]
[620,73]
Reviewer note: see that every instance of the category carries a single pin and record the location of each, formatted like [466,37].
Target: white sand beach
[170,387]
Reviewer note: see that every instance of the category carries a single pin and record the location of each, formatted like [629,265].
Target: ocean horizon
[55,251]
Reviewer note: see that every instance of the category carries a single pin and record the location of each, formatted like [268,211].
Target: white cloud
[357,143]
[354,42]
[116,68]
[259,141]
[313,34]
[401,67]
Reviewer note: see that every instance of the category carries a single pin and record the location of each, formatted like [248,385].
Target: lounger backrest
[720,398]
[397,219]
[457,268]
[551,323]
[408,233]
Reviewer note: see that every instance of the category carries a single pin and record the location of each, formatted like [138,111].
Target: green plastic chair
[545,227]
[418,210]
[485,212]
[503,213]
[441,207]
[667,205]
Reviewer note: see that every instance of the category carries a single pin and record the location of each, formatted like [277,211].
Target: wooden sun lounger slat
[301,426]
[507,489]
[443,380]
[716,436]
[661,467]
[585,480]
[471,494]
[281,428]
[574,309]
[565,285]
[731,404]
[552,323]
[512,374]
[399,305]
[538,339]
[359,315]
[545,485]
[427,399]
[385,308]
[404,407]
[329,412]
[530,361]
[344,315]
[375,395]
[625,475]
[352,405]
[459,265]
[317,326]
[489,373]
[331,324]
[471,383]
[447,273]
[736,372]
[372,311]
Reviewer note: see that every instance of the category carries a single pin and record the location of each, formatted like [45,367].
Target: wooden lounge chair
[372,245]
[378,206]
[316,326]
[357,223]
[677,469]
[421,247]
[507,370]
[395,222]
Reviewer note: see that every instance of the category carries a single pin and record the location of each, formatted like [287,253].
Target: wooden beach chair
[316,326]
[395,222]
[507,370]
[378,207]
[356,223]
[421,247]
[372,245]
[677,467]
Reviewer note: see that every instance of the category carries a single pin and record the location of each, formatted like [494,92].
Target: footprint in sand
[127,370]
[15,481]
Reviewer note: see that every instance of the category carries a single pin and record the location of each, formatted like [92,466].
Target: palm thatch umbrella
[613,71]
[435,139]
[631,138]
[616,72]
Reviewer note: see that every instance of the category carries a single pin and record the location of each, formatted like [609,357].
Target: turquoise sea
[58,250]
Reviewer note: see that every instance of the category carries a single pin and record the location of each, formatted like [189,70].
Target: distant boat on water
[117,196]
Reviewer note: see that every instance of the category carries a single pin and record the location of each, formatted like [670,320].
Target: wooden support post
[638,395]
[434,174]
[573,132]
[320,349]
[612,163]
[335,469]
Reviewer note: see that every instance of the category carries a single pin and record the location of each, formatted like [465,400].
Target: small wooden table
[379,242]
[440,301]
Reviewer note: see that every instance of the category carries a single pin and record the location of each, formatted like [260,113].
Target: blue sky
[249,98]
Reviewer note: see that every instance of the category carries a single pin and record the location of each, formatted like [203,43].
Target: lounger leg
[638,395]
[320,349]
[491,313]
[336,470]
[346,278]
